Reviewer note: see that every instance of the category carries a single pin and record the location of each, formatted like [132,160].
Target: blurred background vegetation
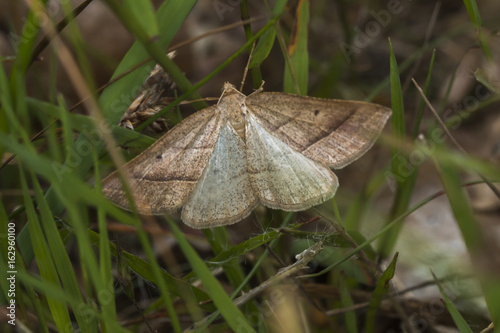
[84,264]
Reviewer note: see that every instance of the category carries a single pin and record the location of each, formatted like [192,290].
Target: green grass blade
[378,294]
[263,48]
[59,295]
[158,278]
[487,80]
[475,17]
[144,269]
[351,325]
[48,272]
[86,125]
[144,15]
[398,115]
[457,317]
[250,275]
[60,256]
[378,235]
[25,44]
[255,71]
[414,56]
[472,234]
[155,49]
[460,206]
[6,245]
[218,238]
[421,107]
[244,247]
[279,7]
[219,241]
[404,172]
[40,165]
[473,11]
[234,317]
[296,73]
[47,169]
[108,308]
[402,180]
[252,243]
[93,280]
[5,103]
[24,298]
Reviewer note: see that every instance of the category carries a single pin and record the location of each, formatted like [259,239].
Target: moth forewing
[166,173]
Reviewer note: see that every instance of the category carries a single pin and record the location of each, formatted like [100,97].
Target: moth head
[229,89]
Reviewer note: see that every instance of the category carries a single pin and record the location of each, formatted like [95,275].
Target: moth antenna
[246,67]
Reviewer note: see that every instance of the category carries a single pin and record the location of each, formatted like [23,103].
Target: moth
[268,148]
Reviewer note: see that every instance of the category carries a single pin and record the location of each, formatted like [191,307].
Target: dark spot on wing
[159,157]
[316,112]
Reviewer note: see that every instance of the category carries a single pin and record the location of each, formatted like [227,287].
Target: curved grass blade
[457,317]
[177,287]
[378,294]
[146,18]
[62,262]
[105,266]
[475,17]
[263,48]
[48,272]
[347,302]
[472,234]
[403,186]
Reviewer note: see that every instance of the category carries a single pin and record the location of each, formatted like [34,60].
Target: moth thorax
[239,127]
[237,112]
[241,131]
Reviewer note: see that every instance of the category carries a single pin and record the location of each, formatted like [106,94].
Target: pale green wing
[281,177]
[223,194]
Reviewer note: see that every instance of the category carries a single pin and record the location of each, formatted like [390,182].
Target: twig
[302,260]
